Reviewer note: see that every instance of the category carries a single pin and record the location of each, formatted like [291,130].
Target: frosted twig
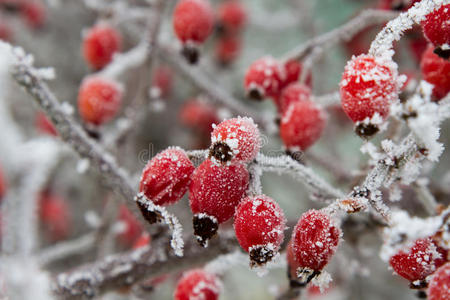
[330,164]
[66,249]
[394,29]
[118,271]
[343,33]
[72,133]
[285,164]
[254,187]
[333,98]
[426,197]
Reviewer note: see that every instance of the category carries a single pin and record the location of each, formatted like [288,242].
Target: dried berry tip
[205,228]
[445,54]
[305,275]
[260,255]
[255,94]
[151,216]
[191,53]
[221,151]
[366,131]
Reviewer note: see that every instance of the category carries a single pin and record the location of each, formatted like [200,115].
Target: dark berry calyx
[149,215]
[443,53]
[205,228]
[260,255]
[366,130]
[221,152]
[255,93]
[191,53]
[305,275]
[418,284]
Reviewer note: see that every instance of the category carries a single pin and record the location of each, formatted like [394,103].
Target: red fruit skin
[144,240]
[162,80]
[133,229]
[417,262]
[293,265]
[265,75]
[100,44]
[439,285]
[228,49]
[315,239]
[199,114]
[217,190]
[54,214]
[34,13]
[232,15]
[99,100]
[241,134]
[293,93]
[166,177]
[436,26]
[193,20]
[197,284]
[367,87]
[44,125]
[436,71]
[259,221]
[302,125]
[293,70]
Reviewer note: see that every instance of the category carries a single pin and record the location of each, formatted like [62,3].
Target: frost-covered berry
[199,115]
[302,125]
[235,140]
[2,184]
[417,262]
[436,28]
[100,43]
[368,87]
[54,214]
[143,240]
[214,193]
[166,177]
[228,49]
[294,92]
[162,80]
[197,284]
[34,13]
[439,285]
[231,16]
[131,229]
[293,69]
[99,100]
[259,223]
[193,22]
[436,71]
[264,78]
[314,241]
[43,124]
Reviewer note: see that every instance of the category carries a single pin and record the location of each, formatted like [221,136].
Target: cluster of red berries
[54,214]
[99,100]
[193,22]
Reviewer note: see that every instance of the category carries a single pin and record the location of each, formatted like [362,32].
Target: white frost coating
[382,46]
[83,165]
[403,227]
[322,281]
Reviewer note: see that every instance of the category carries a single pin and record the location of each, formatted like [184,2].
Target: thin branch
[343,33]
[118,271]
[330,99]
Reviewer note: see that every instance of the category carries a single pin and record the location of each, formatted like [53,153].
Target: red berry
[232,16]
[162,81]
[166,177]
[293,93]
[214,193]
[436,28]
[2,185]
[228,49]
[368,86]
[235,140]
[436,71]
[198,284]
[302,125]
[132,229]
[439,286]
[193,20]
[100,44]
[199,114]
[264,78]
[142,241]
[99,100]
[43,124]
[418,261]
[259,223]
[292,264]
[293,70]
[34,13]
[314,241]
[54,213]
